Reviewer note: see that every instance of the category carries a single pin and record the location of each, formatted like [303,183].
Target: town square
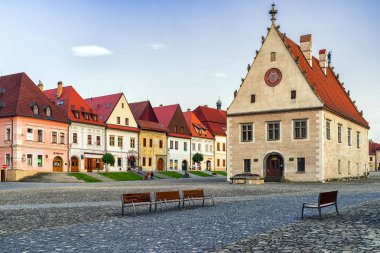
[189,126]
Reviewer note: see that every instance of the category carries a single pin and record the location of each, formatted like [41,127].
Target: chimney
[205,105]
[322,60]
[188,109]
[306,48]
[40,86]
[59,89]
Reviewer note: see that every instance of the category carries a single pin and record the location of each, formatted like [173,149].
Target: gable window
[246,132]
[247,165]
[293,94]
[301,164]
[358,139]
[126,121]
[132,142]
[122,105]
[75,138]
[150,143]
[112,140]
[300,129]
[54,138]
[7,134]
[89,139]
[29,134]
[48,111]
[161,144]
[273,56]
[118,120]
[62,138]
[339,133]
[98,140]
[328,127]
[253,98]
[211,148]
[120,141]
[35,109]
[349,136]
[175,129]
[206,148]
[273,131]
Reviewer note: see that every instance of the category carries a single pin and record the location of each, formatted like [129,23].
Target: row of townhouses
[57,130]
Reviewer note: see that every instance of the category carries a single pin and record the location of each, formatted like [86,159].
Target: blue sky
[188,52]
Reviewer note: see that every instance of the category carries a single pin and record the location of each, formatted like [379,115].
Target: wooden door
[57,164]
[274,168]
[160,164]
[74,164]
[87,165]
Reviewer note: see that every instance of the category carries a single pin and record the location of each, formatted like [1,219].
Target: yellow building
[152,137]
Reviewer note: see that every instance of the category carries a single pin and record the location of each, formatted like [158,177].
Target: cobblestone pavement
[86,217]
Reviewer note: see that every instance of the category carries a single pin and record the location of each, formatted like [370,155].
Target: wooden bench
[325,199]
[167,197]
[192,195]
[136,199]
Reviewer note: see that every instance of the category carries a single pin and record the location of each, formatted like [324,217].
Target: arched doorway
[184,165]
[160,164]
[208,165]
[274,168]
[74,164]
[57,164]
[131,162]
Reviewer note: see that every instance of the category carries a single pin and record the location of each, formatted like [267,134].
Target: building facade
[152,137]
[178,141]
[374,156]
[122,133]
[34,131]
[86,131]
[292,119]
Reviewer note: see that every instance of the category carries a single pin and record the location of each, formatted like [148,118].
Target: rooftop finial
[273,12]
[219,104]
[329,58]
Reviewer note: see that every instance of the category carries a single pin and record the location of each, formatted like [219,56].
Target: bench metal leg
[203,202]
[320,214]
[336,208]
[179,204]
[150,207]
[122,210]
[134,209]
[303,207]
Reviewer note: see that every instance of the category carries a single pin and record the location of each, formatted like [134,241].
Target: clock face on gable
[273,77]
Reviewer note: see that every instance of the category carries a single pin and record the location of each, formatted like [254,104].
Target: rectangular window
[150,143]
[112,140]
[328,126]
[218,146]
[300,129]
[185,146]
[349,136]
[120,141]
[126,121]
[349,167]
[176,164]
[224,163]
[171,164]
[218,162]
[54,137]
[171,144]
[199,147]
[273,56]
[176,145]
[358,139]
[210,147]
[29,134]
[8,134]
[357,169]
[119,161]
[273,131]
[161,144]
[86,116]
[133,142]
[8,159]
[98,143]
[150,161]
[75,138]
[339,133]
[175,129]
[253,98]
[40,135]
[224,146]
[29,159]
[62,138]
[301,164]
[144,161]
[206,147]
[247,165]
[293,94]
[193,146]
[339,168]
[246,133]
[39,160]
[89,139]
[144,142]
[118,120]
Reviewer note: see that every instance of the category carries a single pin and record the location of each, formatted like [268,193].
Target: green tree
[197,157]
[108,159]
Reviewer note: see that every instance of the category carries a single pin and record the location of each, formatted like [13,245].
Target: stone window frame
[242,130]
[120,141]
[247,164]
[40,140]
[328,129]
[295,121]
[273,56]
[349,130]
[132,142]
[268,126]
[339,132]
[75,138]
[98,140]
[301,164]
[357,139]
[8,133]
[339,167]
[112,140]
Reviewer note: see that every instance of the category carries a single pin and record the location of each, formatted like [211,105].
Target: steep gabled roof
[145,116]
[171,117]
[197,129]
[372,147]
[215,120]
[327,87]
[71,101]
[104,105]
[20,94]
[165,113]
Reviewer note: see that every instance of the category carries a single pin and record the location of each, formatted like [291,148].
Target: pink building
[33,131]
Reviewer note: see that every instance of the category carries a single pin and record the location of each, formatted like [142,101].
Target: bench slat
[169,195]
[193,193]
[136,197]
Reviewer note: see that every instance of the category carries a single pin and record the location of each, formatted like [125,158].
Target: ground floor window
[29,160]
[39,160]
[171,164]
[119,161]
[301,164]
[8,159]
[349,167]
[176,164]
[224,163]
[144,161]
[218,162]
[339,168]
[247,165]
[150,161]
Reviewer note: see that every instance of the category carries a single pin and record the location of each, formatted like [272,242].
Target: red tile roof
[215,120]
[145,116]
[197,129]
[327,87]
[126,128]
[373,146]
[165,113]
[20,94]
[71,101]
[171,117]
[104,105]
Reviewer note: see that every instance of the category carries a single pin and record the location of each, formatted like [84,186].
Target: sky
[188,52]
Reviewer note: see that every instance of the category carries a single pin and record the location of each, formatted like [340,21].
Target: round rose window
[273,77]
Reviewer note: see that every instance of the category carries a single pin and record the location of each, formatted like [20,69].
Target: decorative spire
[219,104]
[273,12]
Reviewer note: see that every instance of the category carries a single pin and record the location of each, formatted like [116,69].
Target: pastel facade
[34,131]
[374,156]
[292,119]
[122,133]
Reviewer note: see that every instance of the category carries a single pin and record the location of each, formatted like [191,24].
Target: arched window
[35,109]
[48,111]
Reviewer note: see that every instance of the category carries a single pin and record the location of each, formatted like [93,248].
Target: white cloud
[156,46]
[90,51]
[220,74]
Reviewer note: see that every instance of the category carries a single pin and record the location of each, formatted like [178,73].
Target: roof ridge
[19,90]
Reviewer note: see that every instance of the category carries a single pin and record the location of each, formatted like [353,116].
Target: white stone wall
[206,147]
[179,154]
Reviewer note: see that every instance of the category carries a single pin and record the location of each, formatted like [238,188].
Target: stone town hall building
[292,118]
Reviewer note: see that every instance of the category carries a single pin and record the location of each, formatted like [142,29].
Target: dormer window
[94,117]
[48,111]
[86,116]
[35,109]
[108,105]
[76,114]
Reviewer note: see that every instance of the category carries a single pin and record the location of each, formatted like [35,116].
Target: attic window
[35,109]
[273,56]
[101,117]
[76,114]
[60,102]
[293,94]
[94,117]
[122,105]
[48,111]
[108,105]
[86,116]
[253,98]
